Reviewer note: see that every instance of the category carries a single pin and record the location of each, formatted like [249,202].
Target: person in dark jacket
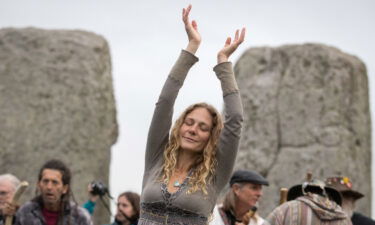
[53,204]
[349,198]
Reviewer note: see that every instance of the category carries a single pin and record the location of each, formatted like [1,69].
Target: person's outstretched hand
[231,46]
[191,31]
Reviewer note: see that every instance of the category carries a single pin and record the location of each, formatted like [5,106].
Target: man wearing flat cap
[239,206]
[349,198]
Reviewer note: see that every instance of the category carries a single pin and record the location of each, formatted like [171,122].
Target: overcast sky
[145,38]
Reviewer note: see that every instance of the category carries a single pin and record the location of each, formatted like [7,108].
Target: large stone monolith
[56,101]
[306,109]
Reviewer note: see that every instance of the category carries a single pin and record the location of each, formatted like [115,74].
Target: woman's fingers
[227,42]
[188,9]
[185,14]
[242,36]
[236,36]
[194,24]
[185,18]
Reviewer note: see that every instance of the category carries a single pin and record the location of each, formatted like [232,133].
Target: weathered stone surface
[56,101]
[306,109]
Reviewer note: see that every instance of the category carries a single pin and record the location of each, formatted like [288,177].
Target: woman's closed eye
[189,121]
[204,127]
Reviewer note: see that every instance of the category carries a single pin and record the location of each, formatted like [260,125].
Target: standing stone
[56,101]
[306,109]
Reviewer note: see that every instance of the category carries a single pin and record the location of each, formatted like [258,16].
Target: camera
[98,188]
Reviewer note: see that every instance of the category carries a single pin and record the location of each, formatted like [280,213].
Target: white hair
[10,178]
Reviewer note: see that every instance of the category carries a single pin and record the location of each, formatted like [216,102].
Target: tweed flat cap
[249,176]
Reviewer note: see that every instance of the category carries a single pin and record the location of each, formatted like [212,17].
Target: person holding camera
[187,165]
[53,204]
[127,204]
[96,190]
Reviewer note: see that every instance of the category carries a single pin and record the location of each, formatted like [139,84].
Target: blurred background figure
[310,203]
[349,198]
[8,186]
[239,206]
[127,209]
[127,205]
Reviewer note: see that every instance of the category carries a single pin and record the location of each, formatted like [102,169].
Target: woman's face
[196,130]
[124,209]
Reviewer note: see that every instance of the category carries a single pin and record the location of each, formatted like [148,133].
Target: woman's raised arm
[231,133]
[162,118]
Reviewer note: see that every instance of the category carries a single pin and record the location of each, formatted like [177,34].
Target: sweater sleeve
[158,134]
[89,206]
[231,133]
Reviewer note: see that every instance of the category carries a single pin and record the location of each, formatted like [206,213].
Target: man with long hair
[53,204]
[127,209]
[239,205]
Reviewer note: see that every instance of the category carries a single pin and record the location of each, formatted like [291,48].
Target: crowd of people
[312,202]
[187,165]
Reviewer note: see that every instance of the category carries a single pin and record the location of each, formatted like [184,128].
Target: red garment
[50,217]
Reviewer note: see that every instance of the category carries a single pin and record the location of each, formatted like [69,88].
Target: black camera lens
[98,188]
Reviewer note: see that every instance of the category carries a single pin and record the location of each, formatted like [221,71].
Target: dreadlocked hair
[55,164]
[203,169]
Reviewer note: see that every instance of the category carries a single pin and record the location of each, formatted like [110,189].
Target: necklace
[176,184]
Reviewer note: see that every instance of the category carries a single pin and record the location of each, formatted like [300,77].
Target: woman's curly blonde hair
[205,165]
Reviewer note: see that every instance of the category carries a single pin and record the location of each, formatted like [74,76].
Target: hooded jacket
[310,209]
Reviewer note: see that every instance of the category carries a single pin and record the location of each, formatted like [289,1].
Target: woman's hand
[191,31]
[230,47]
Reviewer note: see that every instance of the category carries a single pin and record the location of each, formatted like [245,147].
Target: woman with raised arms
[186,167]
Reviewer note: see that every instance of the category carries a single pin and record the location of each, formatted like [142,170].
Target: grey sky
[145,38]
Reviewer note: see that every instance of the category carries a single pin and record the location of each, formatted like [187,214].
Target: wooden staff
[283,195]
[308,176]
[20,190]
